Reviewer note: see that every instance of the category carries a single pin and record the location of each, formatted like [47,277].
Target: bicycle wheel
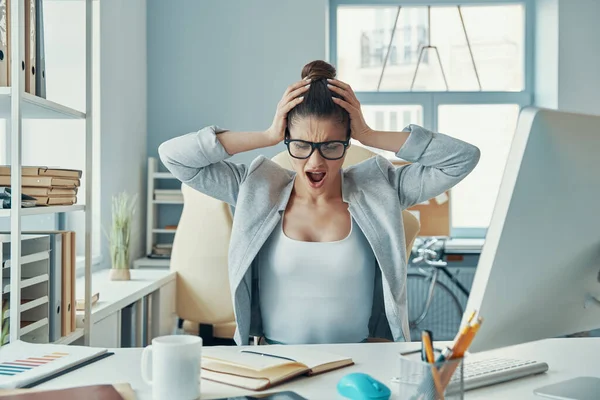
[442,317]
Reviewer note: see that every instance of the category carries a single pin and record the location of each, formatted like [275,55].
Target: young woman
[317,254]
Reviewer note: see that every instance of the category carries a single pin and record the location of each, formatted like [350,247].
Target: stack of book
[161,250]
[48,186]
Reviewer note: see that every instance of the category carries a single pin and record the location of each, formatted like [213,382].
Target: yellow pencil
[430,358]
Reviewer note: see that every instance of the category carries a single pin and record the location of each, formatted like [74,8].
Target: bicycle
[432,305]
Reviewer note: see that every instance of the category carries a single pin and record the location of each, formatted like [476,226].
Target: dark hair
[317,100]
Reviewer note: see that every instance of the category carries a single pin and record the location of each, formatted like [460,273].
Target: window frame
[431,100]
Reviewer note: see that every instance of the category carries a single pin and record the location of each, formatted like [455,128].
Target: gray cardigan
[376,192]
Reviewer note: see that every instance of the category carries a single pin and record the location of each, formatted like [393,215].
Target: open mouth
[316,179]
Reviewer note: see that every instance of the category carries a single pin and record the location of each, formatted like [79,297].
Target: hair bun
[318,69]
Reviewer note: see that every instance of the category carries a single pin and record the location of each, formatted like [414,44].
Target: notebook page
[234,356]
[310,358]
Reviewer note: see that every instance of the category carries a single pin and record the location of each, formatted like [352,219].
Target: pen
[267,355]
[426,339]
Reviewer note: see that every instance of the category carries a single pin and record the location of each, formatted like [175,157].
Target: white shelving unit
[151,217]
[16,105]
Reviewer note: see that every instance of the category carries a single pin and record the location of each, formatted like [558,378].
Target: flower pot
[120,274]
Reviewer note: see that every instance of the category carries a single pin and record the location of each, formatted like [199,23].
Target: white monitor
[538,272]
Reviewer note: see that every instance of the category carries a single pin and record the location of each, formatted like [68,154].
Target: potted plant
[119,239]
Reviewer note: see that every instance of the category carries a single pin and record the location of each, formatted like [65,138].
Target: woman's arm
[438,161]
[198,159]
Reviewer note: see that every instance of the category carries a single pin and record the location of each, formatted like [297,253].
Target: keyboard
[486,372]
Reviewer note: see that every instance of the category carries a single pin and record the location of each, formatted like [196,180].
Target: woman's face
[317,172]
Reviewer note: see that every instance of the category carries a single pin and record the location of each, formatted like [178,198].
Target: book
[266,366]
[104,392]
[43,171]
[42,181]
[23,363]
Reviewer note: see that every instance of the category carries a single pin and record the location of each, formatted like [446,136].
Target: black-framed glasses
[302,149]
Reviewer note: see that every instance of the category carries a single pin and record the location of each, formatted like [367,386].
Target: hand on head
[293,96]
[322,76]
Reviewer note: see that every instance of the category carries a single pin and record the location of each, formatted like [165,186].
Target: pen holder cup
[420,380]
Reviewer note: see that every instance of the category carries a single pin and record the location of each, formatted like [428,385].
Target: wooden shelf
[40,210]
[71,337]
[36,107]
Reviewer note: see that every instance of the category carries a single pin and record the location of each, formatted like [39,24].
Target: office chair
[199,256]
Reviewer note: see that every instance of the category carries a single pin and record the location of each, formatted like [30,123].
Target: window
[464,70]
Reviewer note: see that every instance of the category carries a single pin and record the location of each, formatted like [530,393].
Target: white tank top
[316,292]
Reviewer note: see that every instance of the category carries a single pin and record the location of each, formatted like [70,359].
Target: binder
[66,304]
[4,42]
[40,52]
[30,46]
[73,294]
[55,297]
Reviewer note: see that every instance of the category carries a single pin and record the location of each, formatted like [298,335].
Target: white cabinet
[106,332]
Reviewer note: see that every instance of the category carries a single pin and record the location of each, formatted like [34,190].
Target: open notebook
[261,367]
[23,363]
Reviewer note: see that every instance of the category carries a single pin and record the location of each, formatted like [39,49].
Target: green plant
[123,209]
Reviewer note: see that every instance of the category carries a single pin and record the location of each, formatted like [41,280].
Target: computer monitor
[538,272]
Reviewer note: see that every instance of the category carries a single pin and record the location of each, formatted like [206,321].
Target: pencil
[430,359]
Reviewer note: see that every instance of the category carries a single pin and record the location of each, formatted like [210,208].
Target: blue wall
[226,62]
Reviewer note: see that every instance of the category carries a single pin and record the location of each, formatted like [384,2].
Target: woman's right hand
[291,98]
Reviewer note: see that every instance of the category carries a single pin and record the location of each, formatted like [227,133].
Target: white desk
[157,285]
[567,358]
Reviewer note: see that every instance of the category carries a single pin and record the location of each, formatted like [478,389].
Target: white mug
[175,367]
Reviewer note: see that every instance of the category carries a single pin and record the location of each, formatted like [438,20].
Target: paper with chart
[22,363]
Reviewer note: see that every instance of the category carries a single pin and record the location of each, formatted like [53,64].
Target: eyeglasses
[332,150]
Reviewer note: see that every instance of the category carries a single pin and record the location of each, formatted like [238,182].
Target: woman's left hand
[349,102]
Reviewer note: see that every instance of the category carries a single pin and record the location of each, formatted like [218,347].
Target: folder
[30,43]
[73,281]
[40,52]
[49,192]
[34,170]
[4,42]
[54,201]
[42,181]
